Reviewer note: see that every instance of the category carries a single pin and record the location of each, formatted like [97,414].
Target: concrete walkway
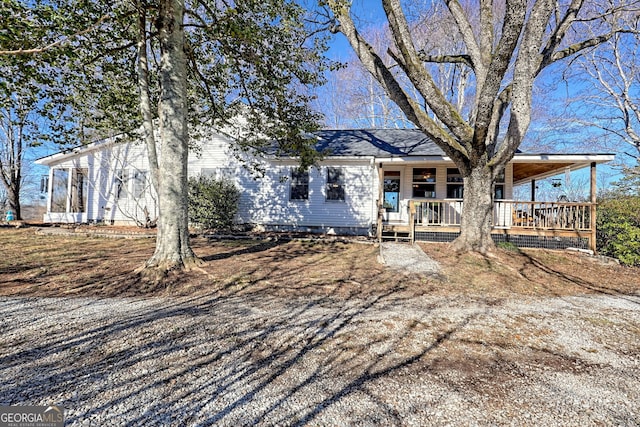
[407,257]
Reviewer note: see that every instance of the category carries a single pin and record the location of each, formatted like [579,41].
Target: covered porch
[533,223]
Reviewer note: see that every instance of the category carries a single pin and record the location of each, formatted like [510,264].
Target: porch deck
[544,220]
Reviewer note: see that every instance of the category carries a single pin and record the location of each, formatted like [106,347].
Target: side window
[139,183]
[335,184]
[121,180]
[424,183]
[498,192]
[217,173]
[208,172]
[455,186]
[299,189]
[79,189]
[59,190]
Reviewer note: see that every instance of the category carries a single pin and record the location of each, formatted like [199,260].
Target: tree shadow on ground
[246,358]
[590,285]
[294,334]
[251,355]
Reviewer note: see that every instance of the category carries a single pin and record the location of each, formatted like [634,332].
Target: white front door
[391,196]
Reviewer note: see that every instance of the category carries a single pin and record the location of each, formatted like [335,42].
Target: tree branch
[526,66]
[374,64]
[466,31]
[59,43]
[580,46]
[486,29]
[446,59]
[420,78]
[561,29]
[495,71]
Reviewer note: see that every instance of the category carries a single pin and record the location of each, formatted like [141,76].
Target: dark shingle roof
[377,143]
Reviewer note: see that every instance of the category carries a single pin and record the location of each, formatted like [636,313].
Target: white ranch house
[390,183]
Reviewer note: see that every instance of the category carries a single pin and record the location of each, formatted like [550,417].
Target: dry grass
[35,265]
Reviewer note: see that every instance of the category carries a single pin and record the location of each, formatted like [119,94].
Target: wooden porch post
[592,240]
[380,202]
[533,190]
[412,220]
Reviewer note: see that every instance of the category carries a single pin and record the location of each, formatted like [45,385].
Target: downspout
[49,190]
[380,202]
[69,190]
[592,239]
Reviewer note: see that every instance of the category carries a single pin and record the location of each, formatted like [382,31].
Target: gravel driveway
[325,361]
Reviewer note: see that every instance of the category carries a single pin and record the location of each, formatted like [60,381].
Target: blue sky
[366,13]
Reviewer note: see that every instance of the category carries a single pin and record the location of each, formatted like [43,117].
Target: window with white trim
[335,184]
[455,185]
[79,189]
[424,183]
[299,187]
[120,183]
[498,189]
[139,183]
[217,173]
[59,190]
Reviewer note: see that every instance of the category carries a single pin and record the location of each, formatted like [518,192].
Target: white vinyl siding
[265,198]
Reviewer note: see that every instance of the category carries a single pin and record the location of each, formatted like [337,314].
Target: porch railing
[551,215]
[507,214]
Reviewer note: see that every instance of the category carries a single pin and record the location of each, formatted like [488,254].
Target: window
[79,187]
[121,179]
[335,184]
[424,182]
[44,183]
[498,189]
[299,185]
[455,186]
[208,172]
[217,173]
[139,183]
[59,190]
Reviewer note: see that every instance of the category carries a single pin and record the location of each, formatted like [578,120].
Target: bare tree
[610,95]
[12,149]
[504,46]
[353,98]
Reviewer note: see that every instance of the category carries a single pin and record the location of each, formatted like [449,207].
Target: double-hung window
[455,186]
[498,189]
[121,181]
[424,183]
[299,189]
[335,184]
[139,184]
[79,189]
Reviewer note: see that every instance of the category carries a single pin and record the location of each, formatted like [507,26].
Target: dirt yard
[81,265]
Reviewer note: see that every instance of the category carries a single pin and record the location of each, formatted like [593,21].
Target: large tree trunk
[11,168]
[13,199]
[173,250]
[477,212]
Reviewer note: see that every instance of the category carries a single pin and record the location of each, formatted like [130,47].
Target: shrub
[618,229]
[213,203]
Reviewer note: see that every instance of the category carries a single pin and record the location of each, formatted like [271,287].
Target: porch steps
[396,236]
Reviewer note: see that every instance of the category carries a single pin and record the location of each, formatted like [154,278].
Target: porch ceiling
[527,167]
[523,172]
